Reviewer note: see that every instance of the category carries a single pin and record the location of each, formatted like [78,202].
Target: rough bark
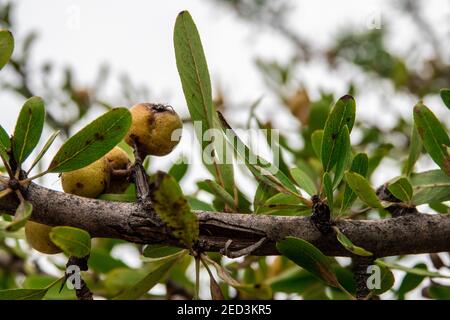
[409,234]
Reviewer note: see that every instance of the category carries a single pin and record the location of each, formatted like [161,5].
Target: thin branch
[243,252]
[408,234]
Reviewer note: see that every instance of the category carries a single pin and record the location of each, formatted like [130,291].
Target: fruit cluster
[150,134]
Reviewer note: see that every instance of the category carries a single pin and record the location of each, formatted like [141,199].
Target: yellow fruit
[118,160]
[38,237]
[89,181]
[152,128]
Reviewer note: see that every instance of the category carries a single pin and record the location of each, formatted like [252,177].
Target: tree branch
[409,234]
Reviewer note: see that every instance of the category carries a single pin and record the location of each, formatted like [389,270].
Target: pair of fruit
[151,133]
[89,182]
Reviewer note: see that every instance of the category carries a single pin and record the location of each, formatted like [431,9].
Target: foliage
[335,166]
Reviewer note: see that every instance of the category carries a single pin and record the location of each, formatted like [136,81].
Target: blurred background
[269,60]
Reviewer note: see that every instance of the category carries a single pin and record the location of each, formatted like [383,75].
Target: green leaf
[303,181]
[6,46]
[430,186]
[343,156]
[416,271]
[439,207]
[156,251]
[293,280]
[434,136]
[92,142]
[5,143]
[47,145]
[387,280]
[20,234]
[415,148]
[346,278]
[179,169]
[262,193]
[363,189]
[23,294]
[121,279]
[220,192]
[157,273]
[439,292]
[41,282]
[445,95]
[328,188]
[73,241]
[261,169]
[23,213]
[193,70]
[342,114]
[284,205]
[348,244]
[197,204]
[308,257]
[410,281]
[173,208]
[100,261]
[260,291]
[316,141]
[359,165]
[401,189]
[28,128]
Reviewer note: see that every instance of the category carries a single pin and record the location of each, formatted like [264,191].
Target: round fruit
[89,181]
[152,128]
[38,236]
[118,160]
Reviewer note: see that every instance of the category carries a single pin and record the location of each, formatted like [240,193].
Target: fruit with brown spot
[90,181]
[38,236]
[152,129]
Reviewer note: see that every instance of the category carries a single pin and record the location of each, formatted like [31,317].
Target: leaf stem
[4,181]
[54,282]
[197,277]
[5,192]
[7,166]
[432,185]
[20,196]
[27,180]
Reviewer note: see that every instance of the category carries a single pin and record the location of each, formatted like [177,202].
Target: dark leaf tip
[347,97]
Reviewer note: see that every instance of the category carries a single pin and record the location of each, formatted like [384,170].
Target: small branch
[408,234]
[360,265]
[243,252]
[141,179]
[82,292]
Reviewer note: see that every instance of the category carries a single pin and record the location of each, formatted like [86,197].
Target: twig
[141,179]
[83,292]
[408,234]
[360,265]
[243,252]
